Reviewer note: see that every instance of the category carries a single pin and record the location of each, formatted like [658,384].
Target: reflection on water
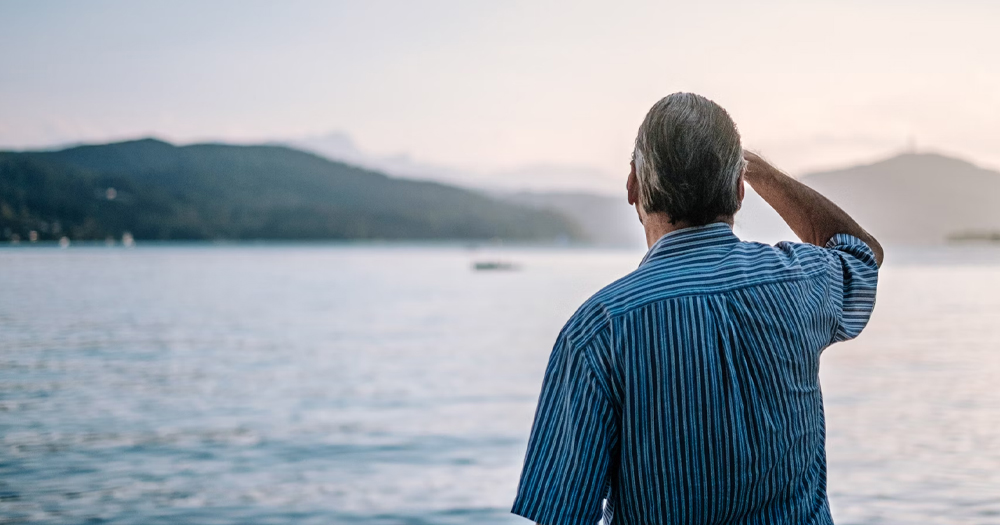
[396,384]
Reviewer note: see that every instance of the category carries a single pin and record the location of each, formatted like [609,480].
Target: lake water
[394,385]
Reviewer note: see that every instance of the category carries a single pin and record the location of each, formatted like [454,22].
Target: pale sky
[493,85]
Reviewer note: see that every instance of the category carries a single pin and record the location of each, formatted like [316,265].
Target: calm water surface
[380,384]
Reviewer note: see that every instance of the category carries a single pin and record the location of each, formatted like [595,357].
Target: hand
[755,165]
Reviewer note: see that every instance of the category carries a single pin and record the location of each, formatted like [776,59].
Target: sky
[491,87]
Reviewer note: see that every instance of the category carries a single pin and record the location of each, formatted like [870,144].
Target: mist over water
[393,384]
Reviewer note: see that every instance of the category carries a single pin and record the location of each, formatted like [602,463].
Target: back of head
[688,159]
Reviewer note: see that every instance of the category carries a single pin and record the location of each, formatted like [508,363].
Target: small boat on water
[481,266]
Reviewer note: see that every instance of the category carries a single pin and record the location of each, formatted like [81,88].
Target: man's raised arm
[813,217]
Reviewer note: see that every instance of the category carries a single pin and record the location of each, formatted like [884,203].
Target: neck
[658,224]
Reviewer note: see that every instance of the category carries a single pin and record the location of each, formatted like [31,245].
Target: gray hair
[688,159]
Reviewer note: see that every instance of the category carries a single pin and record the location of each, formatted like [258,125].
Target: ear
[632,186]
[741,186]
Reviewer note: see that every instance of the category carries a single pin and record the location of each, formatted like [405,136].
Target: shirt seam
[610,317]
[808,277]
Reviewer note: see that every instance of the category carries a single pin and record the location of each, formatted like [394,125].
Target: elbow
[876,249]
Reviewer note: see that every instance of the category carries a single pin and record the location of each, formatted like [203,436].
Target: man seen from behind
[688,391]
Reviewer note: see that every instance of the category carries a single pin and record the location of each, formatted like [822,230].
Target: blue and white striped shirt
[688,391]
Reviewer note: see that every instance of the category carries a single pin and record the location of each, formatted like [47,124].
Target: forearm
[810,215]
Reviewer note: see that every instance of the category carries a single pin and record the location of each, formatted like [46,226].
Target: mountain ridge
[915,197]
[222,191]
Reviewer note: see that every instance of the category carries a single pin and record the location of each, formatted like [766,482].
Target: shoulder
[589,319]
[597,312]
[708,272]
[789,260]
[795,252]
[740,265]
[841,256]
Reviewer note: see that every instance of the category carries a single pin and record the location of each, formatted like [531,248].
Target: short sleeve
[855,277]
[565,473]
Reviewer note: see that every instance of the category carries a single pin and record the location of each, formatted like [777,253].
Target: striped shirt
[688,391]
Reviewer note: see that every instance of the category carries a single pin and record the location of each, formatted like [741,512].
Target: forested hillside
[156,190]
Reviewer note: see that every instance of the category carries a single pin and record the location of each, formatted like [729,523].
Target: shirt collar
[687,239]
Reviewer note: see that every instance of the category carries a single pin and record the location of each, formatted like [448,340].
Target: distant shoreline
[983,237]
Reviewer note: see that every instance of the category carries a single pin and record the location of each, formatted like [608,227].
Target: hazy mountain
[907,199]
[581,193]
[606,221]
[340,147]
[915,197]
[535,177]
[157,190]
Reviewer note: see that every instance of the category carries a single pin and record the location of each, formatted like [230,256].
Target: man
[688,391]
